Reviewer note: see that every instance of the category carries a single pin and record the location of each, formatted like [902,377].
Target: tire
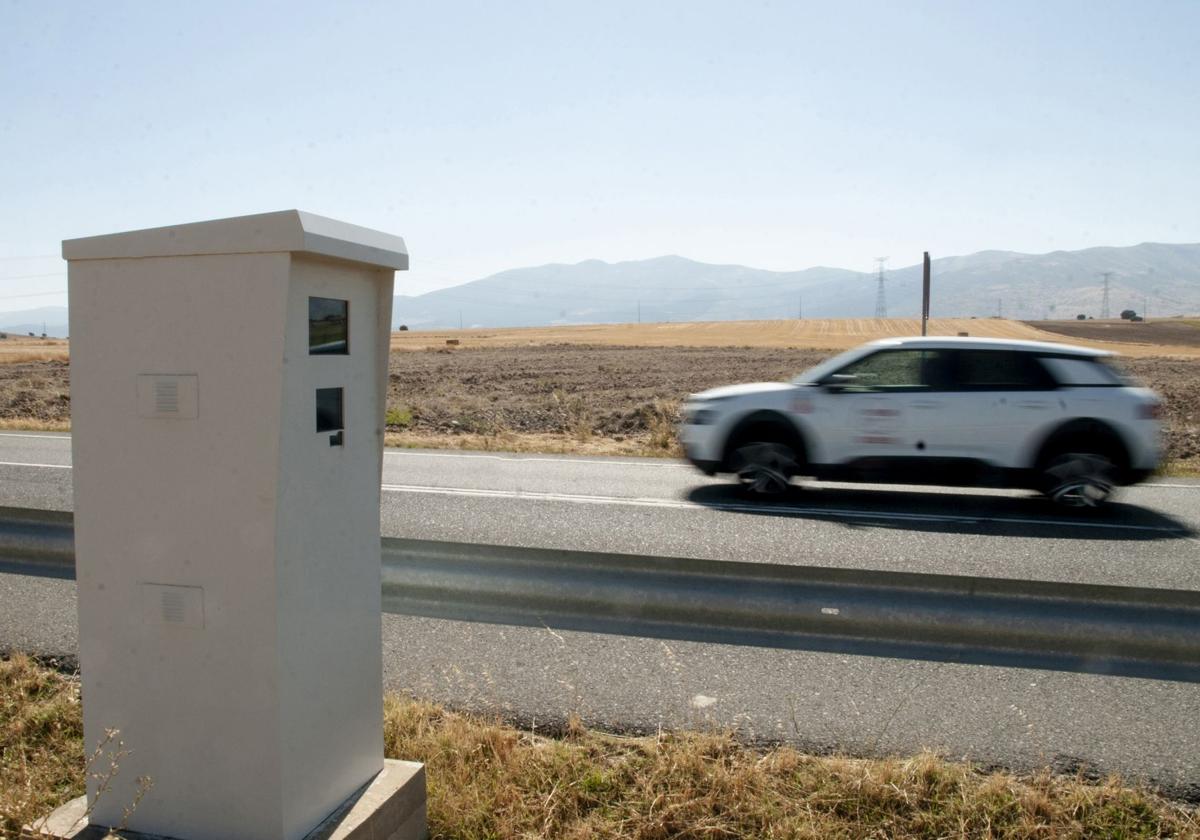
[764,468]
[1079,479]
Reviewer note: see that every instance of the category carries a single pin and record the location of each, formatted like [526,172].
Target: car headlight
[699,416]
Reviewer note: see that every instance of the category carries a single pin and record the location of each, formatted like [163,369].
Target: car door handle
[926,404]
[1032,404]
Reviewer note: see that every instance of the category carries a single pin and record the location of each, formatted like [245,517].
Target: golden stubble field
[28,349]
[814,334]
[1163,338]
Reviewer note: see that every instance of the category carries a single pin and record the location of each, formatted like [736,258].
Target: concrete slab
[390,807]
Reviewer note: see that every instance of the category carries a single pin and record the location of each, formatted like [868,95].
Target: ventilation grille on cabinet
[166,397]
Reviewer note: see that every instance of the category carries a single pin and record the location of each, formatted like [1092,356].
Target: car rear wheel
[765,468]
[1079,479]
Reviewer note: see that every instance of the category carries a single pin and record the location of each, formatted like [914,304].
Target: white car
[951,411]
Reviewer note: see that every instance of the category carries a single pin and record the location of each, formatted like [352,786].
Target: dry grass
[29,424]
[547,443]
[41,742]
[14,350]
[820,333]
[487,780]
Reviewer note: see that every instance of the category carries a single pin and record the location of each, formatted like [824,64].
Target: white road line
[599,460]
[43,466]
[521,458]
[680,504]
[37,437]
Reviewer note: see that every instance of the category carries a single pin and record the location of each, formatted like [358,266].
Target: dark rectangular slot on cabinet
[329,410]
[328,327]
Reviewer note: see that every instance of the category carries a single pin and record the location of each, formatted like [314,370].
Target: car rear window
[1084,372]
[999,369]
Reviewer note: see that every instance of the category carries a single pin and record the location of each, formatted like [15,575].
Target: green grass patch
[399,418]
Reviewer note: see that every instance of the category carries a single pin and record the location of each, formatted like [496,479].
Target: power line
[33,294]
[35,276]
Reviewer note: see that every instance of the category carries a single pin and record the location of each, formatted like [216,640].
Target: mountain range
[1165,279]
[1158,279]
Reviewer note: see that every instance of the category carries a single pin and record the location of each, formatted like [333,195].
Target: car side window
[893,370]
[999,370]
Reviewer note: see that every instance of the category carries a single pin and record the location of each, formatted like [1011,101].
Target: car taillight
[1150,411]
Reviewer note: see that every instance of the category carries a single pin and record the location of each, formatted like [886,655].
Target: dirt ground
[577,398]
[1173,331]
[631,395]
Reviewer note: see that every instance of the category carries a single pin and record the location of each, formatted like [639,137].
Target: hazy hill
[1062,284]
[664,289]
[49,319]
[1059,284]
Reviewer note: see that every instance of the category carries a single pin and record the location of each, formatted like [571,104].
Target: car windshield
[815,374]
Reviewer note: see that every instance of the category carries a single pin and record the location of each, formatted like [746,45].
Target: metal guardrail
[1126,631]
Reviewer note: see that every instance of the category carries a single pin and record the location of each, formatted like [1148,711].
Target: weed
[660,419]
[575,415]
[399,417]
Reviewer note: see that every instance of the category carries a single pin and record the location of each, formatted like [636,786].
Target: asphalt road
[1014,717]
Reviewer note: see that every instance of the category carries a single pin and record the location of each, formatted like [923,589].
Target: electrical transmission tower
[880,295]
[1104,301]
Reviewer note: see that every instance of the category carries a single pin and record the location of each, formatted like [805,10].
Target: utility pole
[999,307]
[1104,301]
[800,308]
[639,312]
[925,294]
[460,319]
[880,295]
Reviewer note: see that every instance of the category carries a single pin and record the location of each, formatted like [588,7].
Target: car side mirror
[839,382]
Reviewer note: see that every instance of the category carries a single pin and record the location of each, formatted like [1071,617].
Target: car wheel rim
[765,469]
[1080,479]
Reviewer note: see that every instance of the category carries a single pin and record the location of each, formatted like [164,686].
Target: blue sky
[491,136]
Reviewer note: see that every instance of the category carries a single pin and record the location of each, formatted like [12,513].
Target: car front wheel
[765,468]
[1079,479]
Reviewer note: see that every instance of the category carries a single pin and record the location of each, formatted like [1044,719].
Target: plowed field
[576,397]
[1129,336]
